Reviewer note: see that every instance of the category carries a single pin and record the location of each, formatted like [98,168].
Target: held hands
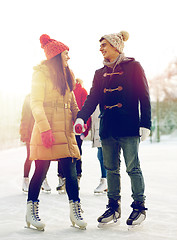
[144,133]
[78,127]
[47,138]
[82,136]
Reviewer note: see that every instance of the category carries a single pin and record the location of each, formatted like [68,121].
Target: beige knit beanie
[117,40]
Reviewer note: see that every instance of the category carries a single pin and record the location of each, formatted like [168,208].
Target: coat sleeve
[74,107]
[92,100]
[37,100]
[26,119]
[83,96]
[83,99]
[88,127]
[144,97]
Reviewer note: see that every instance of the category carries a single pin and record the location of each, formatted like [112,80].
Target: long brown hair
[59,78]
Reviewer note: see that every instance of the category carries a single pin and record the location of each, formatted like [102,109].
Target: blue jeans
[111,157]
[100,158]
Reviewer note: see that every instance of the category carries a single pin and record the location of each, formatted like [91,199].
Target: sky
[80,24]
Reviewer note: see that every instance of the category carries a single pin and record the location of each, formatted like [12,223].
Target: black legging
[41,168]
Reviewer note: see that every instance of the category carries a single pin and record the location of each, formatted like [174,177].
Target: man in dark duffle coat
[121,90]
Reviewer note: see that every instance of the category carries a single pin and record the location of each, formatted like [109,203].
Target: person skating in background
[26,127]
[96,142]
[80,94]
[121,90]
[54,109]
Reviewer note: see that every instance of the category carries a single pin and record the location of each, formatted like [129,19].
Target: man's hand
[144,133]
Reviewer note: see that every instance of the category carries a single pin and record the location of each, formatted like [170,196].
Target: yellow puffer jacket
[52,111]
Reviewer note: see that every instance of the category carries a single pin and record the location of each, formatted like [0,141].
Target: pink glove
[47,138]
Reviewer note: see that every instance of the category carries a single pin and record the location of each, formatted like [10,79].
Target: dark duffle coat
[123,96]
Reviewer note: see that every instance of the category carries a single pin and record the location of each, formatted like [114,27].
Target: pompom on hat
[52,47]
[117,40]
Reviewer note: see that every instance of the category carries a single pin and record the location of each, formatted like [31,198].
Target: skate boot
[102,187]
[138,214]
[75,214]
[45,186]
[61,186]
[112,214]
[32,217]
[25,185]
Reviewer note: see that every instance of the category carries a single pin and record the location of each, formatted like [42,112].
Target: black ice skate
[138,214]
[111,215]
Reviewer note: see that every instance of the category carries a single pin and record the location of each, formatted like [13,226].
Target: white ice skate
[61,185]
[32,217]
[75,215]
[102,187]
[45,186]
[25,184]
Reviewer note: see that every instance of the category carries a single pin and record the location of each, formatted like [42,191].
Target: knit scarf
[118,60]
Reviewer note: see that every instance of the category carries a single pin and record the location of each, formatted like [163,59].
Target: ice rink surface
[159,166]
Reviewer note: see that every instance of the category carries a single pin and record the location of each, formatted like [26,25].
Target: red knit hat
[52,47]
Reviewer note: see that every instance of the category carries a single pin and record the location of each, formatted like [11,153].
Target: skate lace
[109,212]
[137,209]
[36,210]
[78,210]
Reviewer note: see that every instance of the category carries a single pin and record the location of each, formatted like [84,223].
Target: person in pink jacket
[26,127]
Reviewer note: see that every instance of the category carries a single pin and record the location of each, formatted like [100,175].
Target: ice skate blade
[25,192]
[109,224]
[44,191]
[36,229]
[100,193]
[78,227]
[135,227]
[61,192]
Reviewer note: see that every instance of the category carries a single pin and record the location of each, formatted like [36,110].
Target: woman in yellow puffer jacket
[54,109]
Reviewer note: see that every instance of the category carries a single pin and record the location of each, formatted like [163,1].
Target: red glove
[47,138]
[78,127]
